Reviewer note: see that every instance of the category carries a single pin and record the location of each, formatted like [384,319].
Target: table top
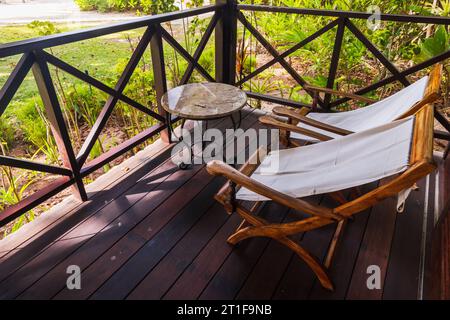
[201,101]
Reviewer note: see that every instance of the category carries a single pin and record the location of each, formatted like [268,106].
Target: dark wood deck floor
[154,232]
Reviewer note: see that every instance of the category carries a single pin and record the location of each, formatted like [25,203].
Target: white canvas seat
[337,164]
[374,115]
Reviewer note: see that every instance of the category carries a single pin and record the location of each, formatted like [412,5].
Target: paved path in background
[17,12]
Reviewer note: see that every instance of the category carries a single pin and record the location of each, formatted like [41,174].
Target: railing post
[226,38]
[57,124]
[159,72]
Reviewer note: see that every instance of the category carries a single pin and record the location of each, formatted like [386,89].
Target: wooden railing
[226,14]
[75,166]
[342,21]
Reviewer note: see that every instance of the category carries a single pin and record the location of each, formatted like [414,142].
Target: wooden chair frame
[421,164]
[295,116]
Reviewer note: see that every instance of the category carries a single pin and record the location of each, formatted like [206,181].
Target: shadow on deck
[151,231]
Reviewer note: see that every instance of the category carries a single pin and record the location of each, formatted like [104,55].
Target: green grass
[97,56]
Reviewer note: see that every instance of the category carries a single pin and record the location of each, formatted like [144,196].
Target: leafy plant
[6,132]
[264,84]
[207,59]
[139,6]
[12,191]
[437,44]
[43,28]
[36,129]
[296,93]
[430,47]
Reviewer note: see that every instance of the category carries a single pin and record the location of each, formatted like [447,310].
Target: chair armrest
[219,168]
[286,112]
[270,121]
[340,93]
[434,83]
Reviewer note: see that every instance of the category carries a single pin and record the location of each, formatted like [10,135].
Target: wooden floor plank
[272,265]
[160,279]
[53,281]
[298,278]
[203,268]
[270,268]
[375,249]
[59,250]
[112,211]
[165,212]
[343,263]
[441,186]
[39,242]
[429,228]
[228,280]
[345,257]
[135,269]
[110,185]
[402,276]
[445,178]
[101,190]
[443,236]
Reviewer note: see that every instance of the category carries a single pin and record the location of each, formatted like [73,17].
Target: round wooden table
[203,101]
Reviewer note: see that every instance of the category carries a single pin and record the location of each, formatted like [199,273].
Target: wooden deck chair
[314,126]
[401,149]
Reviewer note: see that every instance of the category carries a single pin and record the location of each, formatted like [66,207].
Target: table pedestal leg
[191,146]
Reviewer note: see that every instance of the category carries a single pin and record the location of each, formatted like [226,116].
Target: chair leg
[334,242]
[240,234]
[311,261]
[284,138]
[241,225]
[256,206]
[257,223]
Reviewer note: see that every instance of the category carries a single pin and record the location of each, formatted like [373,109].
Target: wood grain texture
[272,122]
[292,115]
[341,93]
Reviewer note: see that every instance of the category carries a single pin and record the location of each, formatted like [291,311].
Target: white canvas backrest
[371,116]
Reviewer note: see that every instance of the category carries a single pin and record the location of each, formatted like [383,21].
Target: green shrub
[84,103]
[140,6]
[100,5]
[43,28]
[36,129]
[207,60]
[6,131]
[437,44]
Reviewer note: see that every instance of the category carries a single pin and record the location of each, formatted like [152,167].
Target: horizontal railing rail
[342,22]
[347,14]
[19,47]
